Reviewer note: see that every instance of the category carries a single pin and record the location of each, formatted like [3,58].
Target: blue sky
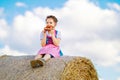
[10,6]
[91,26]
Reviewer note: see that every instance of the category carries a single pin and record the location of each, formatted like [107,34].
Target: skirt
[50,49]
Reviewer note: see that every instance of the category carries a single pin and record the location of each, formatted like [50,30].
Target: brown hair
[53,17]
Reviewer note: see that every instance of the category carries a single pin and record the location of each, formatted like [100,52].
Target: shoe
[37,63]
[41,61]
[34,64]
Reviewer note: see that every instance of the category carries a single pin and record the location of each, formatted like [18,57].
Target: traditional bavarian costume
[50,48]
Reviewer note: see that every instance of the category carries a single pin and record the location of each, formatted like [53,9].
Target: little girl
[50,40]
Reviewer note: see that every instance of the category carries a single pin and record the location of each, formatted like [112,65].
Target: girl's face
[50,22]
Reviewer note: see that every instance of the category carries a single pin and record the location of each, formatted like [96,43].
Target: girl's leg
[46,57]
[34,63]
[40,62]
[38,56]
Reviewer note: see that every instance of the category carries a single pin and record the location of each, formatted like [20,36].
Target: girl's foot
[41,61]
[37,63]
[34,64]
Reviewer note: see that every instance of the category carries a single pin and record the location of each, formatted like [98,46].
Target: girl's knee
[38,56]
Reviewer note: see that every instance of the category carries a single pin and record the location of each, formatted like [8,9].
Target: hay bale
[18,68]
[63,68]
[79,69]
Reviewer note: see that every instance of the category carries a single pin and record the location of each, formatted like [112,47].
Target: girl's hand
[44,32]
[52,32]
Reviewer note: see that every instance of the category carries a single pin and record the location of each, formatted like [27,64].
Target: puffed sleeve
[41,36]
[58,34]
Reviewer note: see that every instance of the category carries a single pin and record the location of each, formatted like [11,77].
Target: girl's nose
[48,24]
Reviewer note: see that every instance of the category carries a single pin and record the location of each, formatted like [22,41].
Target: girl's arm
[56,41]
[43,41]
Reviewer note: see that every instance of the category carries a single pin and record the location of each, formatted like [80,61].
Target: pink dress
[50,48]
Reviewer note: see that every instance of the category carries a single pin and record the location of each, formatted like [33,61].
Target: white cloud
[84,24]
[101,79]
[114,6]
[1,11]
[99,51]
[25,32]
[87,30]
[118,78]
[20,4]
[3,29]
[7,51]
[28,24]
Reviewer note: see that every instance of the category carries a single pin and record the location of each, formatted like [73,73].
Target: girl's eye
[50,22]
